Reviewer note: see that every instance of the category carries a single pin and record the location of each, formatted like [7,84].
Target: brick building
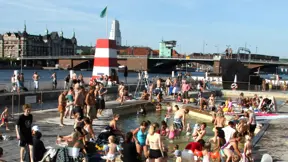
[17,44]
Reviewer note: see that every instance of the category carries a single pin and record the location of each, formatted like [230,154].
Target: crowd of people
[229,143]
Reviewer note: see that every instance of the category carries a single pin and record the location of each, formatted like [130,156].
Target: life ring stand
[234,86]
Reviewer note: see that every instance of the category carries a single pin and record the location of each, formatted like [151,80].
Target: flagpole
[107,22]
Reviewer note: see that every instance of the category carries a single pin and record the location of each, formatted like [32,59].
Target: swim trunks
[178,123]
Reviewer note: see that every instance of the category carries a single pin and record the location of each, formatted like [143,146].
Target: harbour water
[45,75]
[45,82]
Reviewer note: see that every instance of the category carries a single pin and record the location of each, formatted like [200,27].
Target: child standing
[188,129]
[111,150]
[164,129]
[172,133]
[248,148]
[206,152]
[177,153]
[166,118]
[4,118]
[24,134]
[169,108]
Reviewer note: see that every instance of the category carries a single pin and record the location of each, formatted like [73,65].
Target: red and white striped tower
[105,58]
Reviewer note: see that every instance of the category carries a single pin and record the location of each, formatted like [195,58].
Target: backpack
[62,155]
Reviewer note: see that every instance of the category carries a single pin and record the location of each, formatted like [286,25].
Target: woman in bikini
[217,142]
[231,147]
[88,128]
[220,120]
[154,142]
[211,101]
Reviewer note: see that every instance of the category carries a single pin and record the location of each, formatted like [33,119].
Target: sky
[196,25]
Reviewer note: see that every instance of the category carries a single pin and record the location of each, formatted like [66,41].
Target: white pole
[107,22]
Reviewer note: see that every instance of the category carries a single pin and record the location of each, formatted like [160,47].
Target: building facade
[17,44]
[166,48]
[115,33]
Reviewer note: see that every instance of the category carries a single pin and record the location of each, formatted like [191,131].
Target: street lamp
[204,45]
[217,48]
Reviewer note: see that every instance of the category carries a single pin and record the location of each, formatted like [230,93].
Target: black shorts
[78,109]
[101,104]
[155,154]
[185,95]
[25,142]
[252,128]
[219,128]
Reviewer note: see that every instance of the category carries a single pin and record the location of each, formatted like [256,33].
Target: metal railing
[204,57]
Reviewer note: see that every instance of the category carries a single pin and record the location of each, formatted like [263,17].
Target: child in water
[142,111]
[177,153]
[195,129]
[167,116]
[158,107]
[206,152]
[4,118]
[248,148]
[172,133]
[169,108]
[188,130]
[164,129]
[179,98]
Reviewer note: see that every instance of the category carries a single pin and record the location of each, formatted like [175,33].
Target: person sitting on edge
[145,95]
[113,126]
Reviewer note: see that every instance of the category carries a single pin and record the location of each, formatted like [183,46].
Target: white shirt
[228,133]
[252,117]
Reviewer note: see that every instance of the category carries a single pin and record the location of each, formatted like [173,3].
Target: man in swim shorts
[179,118]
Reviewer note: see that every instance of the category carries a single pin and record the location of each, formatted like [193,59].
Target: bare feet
[62,125]
[7,129]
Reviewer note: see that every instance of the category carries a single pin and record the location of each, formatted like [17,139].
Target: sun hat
[36,128]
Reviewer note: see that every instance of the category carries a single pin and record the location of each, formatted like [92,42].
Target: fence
[41,100]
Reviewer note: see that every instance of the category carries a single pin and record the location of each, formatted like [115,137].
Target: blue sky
[259,23]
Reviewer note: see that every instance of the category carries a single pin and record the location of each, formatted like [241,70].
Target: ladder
[143,77]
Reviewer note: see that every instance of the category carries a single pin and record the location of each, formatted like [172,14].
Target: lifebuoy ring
[234,86]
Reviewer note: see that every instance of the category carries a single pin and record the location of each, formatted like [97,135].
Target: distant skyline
[192,23]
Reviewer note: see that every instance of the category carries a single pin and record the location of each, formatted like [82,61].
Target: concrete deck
[275,140]
[277,94]
[48,121]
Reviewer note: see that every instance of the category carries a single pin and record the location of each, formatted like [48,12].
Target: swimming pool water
[131,122]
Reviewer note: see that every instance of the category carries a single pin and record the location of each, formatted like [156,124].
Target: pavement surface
[48,122]
[275,140]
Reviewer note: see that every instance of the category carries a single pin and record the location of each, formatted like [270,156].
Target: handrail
[207,58]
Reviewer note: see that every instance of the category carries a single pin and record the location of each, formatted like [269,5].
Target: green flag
[103,13]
